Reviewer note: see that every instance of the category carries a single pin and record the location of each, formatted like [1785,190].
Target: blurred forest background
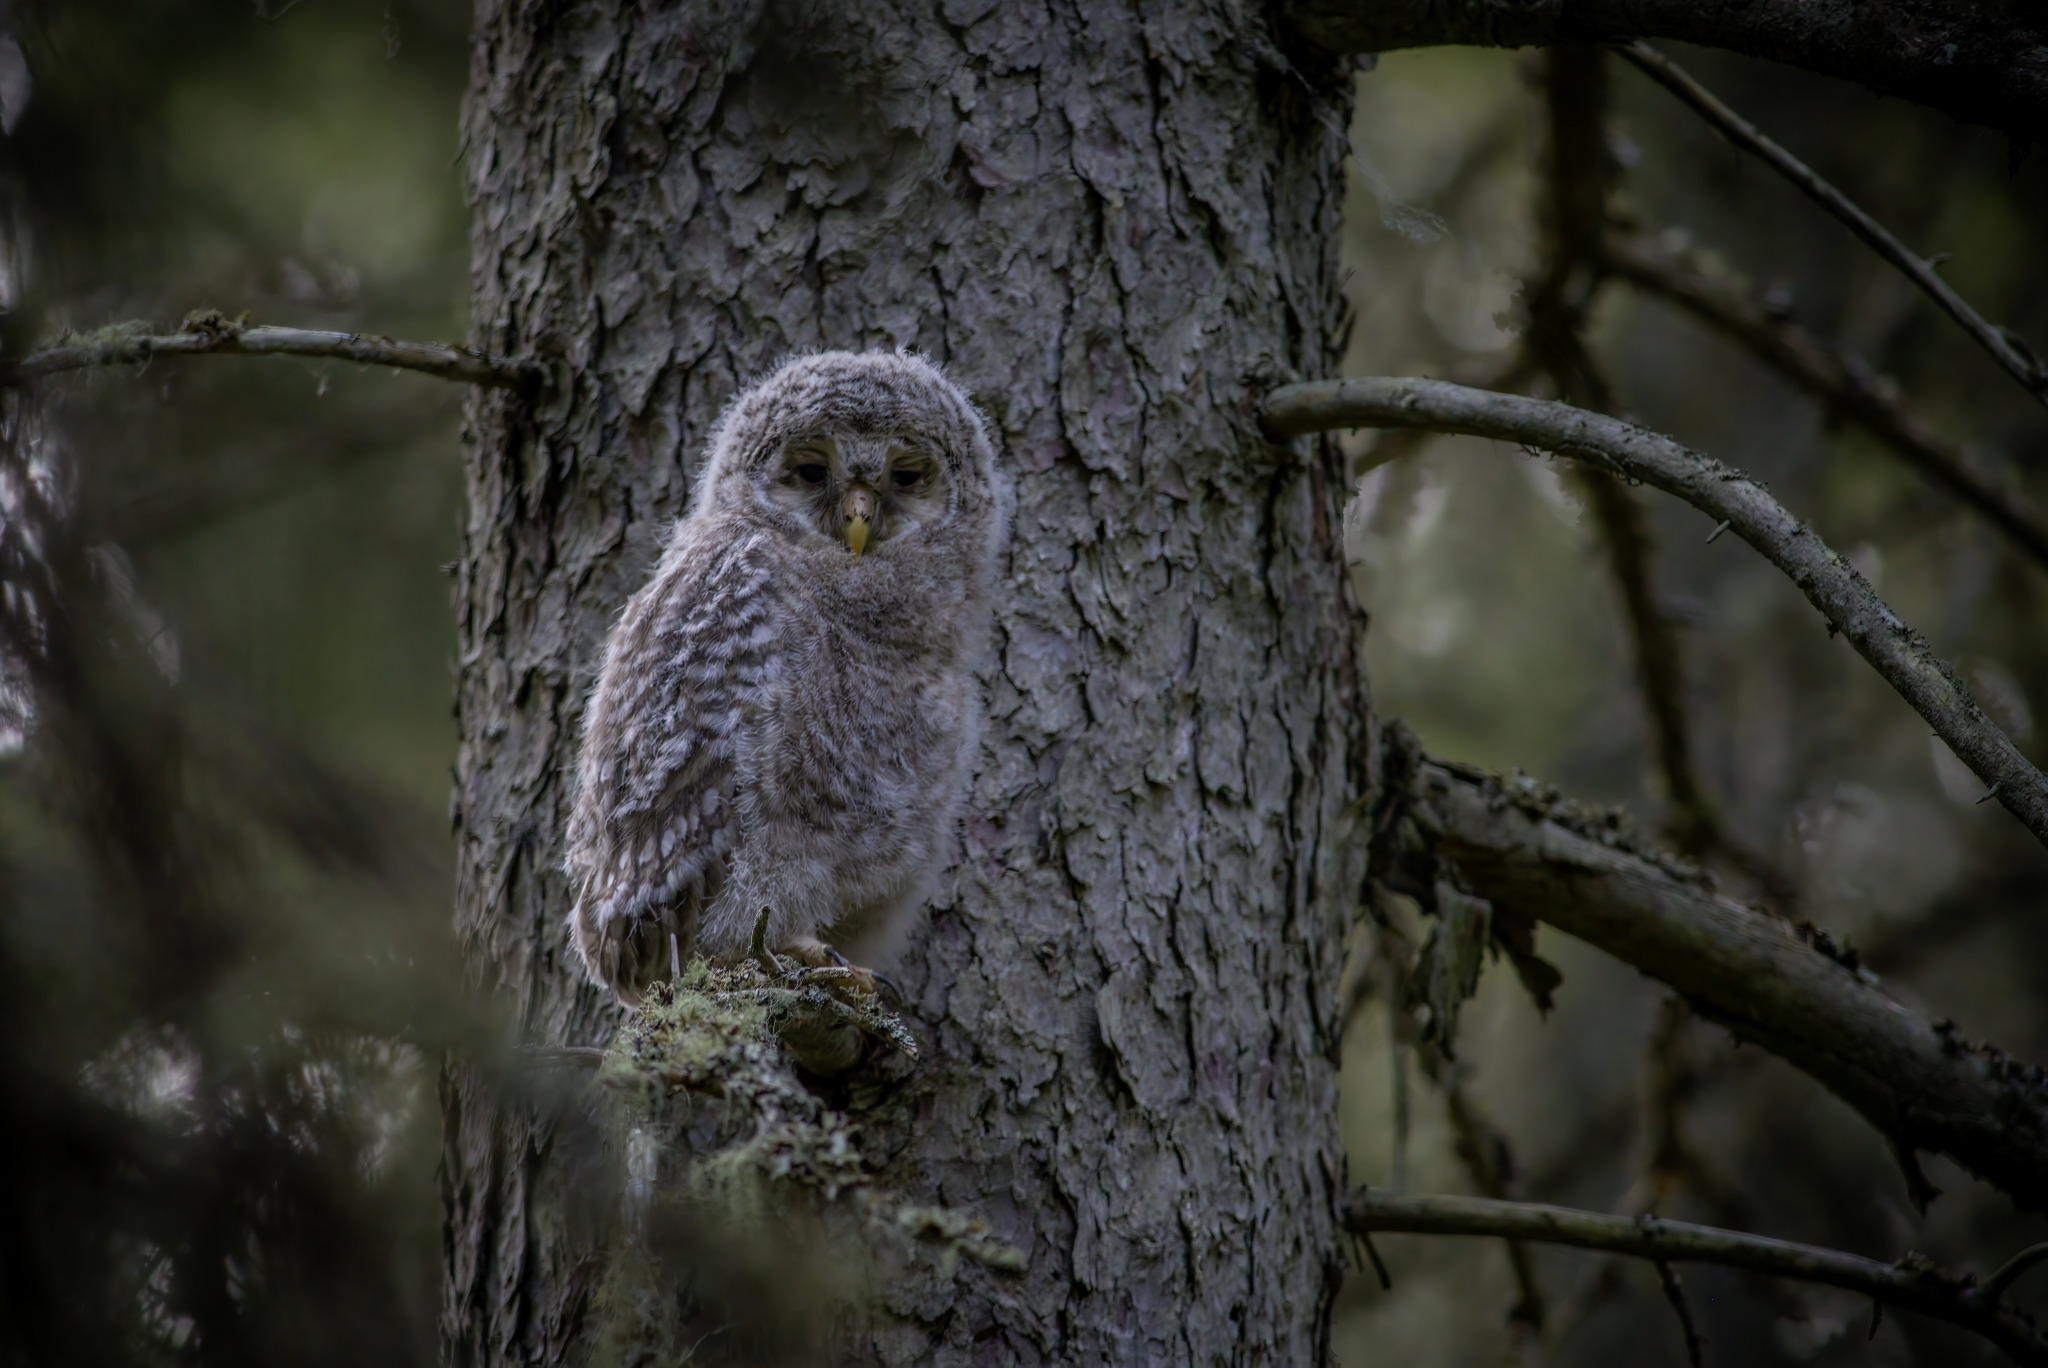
[226,973]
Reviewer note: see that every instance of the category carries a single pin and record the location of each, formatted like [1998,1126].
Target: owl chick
[788,709]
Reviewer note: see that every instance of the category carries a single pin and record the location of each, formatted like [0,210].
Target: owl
[787,711]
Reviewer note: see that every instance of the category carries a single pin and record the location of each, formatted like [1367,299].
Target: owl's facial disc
[863,491]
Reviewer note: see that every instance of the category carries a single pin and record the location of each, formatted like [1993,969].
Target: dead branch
[212,334]
[1975,62]
[1846,384]
[1784,986]
[1912,1284]
[2006,349]
[1843,596]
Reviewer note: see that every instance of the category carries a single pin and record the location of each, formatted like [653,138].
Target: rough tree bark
[1116,228]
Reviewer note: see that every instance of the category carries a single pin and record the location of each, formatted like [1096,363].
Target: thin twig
[1995,1285]
[2009,352]
[1675,1294]
[1397,1162]
[1843,596]
[1846,384]
[212,334]
[1379,1265]
[1912,1284]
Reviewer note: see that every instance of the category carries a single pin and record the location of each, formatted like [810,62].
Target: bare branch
[1912,1284]
[1843,596]
[1979,63]
[211,334]
[1509,372]
[1780,985]
[1846,384]
[2007,350]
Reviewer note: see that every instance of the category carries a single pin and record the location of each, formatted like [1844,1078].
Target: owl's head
[865,453]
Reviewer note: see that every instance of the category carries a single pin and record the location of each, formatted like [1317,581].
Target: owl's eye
[906,479]
[811,473]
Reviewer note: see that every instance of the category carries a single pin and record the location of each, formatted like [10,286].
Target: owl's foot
[821,964]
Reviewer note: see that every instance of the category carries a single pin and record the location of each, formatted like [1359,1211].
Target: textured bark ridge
[1115,229]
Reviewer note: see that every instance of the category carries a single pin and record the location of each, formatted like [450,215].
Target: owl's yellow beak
[859,508]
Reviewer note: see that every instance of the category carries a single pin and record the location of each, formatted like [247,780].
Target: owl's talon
[890,993]
[824,964]
[877,981]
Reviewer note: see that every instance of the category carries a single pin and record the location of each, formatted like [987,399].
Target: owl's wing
[654,824]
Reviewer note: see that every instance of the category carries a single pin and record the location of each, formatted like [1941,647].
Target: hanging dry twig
[2005,348]
[211,333]
[1913,1283]
[1843,596]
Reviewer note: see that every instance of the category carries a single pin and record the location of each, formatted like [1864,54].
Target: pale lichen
[720,1134]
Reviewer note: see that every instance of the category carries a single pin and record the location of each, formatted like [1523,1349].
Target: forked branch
[212,334]
[1912,1284]
[2021,363]
[1843,596]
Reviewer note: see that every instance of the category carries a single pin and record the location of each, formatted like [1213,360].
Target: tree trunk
[1114,229]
